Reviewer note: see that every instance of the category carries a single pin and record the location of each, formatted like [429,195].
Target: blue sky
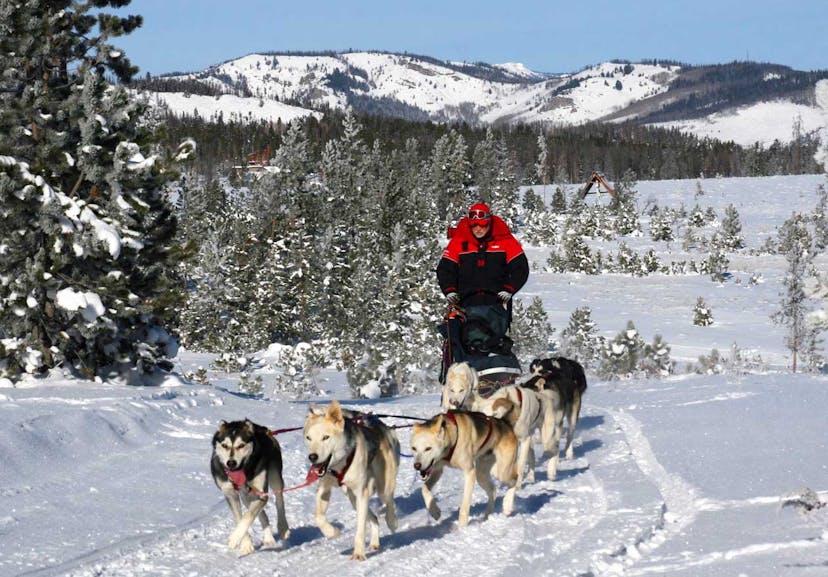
[547,36]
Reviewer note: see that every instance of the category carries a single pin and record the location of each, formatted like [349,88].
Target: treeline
[702,90]
[574,152]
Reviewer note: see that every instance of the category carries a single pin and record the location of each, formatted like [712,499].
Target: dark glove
[453,298]
[504,296]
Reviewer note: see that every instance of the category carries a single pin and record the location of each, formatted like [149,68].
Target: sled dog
[247,466]
[460,387]
[360,454]
[472,442]
[527,410]
[567,378]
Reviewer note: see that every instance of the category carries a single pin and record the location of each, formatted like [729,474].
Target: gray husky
[247,466]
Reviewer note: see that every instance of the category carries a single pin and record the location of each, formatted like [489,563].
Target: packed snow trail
[115,481]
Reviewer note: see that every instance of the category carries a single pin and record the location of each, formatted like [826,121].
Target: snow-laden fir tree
[655,361]
[622,355]
[504,194]
[540,228]
[448,168]
[702,316]
[696,218]
[485,167]
[558,205]
[575,256]
[532,202]
[661,225]
[531,331]
[580,339]
[86,230]
[796,243]
[731,230]
[623,205]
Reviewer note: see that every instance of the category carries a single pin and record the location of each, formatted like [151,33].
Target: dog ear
[335,412]
[222,428]
[249,427]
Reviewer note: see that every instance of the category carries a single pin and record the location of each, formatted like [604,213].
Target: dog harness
[453,419]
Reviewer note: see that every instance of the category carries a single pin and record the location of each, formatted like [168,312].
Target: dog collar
[450,416]
[341,475]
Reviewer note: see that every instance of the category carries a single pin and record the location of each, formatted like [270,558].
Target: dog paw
[235,539]
[570,453]
[284,535]
[267,539]
[358,556]
[246,546]
[330,531]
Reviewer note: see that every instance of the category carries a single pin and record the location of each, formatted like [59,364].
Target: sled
[479,336]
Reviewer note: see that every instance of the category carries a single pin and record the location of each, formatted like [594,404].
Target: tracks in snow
[609,508]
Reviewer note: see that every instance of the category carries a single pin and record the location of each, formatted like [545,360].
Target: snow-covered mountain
[743,102]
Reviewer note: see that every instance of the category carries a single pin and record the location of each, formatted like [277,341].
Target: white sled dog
[247,466]
[473,443]
[460,388]
[360,454]
[525,409]
[566,379]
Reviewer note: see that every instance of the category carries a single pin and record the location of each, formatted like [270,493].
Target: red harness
[451,417]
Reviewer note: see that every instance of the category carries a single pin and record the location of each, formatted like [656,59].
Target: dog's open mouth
[426,473]
[320,469]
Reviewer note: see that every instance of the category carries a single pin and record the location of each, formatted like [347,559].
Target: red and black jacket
[479,269]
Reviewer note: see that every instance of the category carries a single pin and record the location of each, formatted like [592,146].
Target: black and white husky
[247,466]
[566,379]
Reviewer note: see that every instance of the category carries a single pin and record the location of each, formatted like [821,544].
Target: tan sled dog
[473,443]
[360,454]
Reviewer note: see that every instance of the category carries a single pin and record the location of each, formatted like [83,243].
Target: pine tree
[656,360]
[558,205]
[485,166]
[622,355]
[448,175]
[796,242]
[87,230]
[702,317]
[661,226]
[531,331]
[580,339]
[731,236]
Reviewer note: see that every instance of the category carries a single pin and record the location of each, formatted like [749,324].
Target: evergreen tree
[448,175]
[661,226]
[580,339]
[820,220]
[531,331]
[796,242]
[656,360]
[702,317]
[558,205]
[86,226]
[485,166]
[621,356]
[731,233]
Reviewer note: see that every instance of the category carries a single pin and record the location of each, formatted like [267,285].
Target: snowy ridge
[425,88]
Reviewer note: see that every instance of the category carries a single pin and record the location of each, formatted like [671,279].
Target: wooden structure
[597,179]
[256,161]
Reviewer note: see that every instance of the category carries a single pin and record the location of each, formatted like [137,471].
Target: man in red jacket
[481,268]
[483,263]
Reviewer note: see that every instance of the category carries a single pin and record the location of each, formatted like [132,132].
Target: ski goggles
[479,216]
